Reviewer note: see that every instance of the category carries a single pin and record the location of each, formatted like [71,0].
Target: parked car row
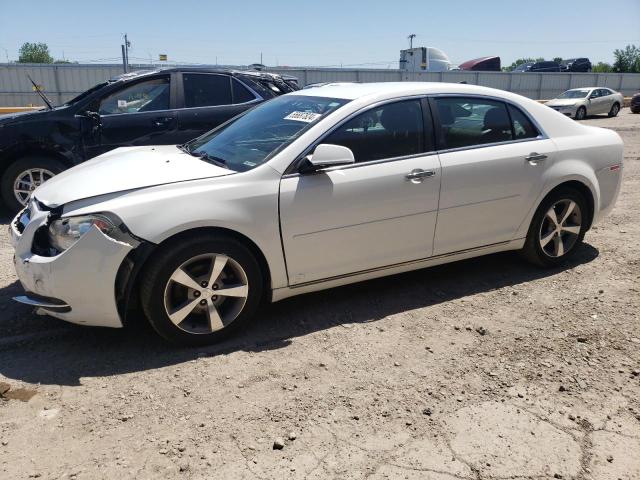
[580,102]
[314,189]
[569,65]
[161,107]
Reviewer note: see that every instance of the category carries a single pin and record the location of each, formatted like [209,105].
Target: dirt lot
[487,368]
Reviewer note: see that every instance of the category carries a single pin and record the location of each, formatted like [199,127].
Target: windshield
[574,94]
[87,93]
[251,139]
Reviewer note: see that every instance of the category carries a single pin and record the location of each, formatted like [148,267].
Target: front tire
[557,228]
[25,175]
[198,291]
[581,113]
[615,109]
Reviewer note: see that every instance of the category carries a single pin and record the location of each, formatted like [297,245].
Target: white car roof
[352,91]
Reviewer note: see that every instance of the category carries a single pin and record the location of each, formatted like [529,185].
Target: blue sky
[325,33]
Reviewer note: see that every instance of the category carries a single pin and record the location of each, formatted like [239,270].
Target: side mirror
[95,116]
[326,155]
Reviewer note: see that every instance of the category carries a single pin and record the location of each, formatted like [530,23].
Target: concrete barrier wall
[63,82]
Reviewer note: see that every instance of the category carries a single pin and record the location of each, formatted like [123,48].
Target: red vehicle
[482,64]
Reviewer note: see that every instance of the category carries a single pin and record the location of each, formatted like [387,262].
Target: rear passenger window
[465,122]
[206,90]
[522,126]
[392,130]
[240,93]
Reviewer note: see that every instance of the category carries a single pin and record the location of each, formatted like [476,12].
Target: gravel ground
[487,368]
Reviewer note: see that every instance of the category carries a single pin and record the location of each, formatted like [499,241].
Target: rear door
[608,98]
[493,158]
[137,113]
[597,103]
[208,100]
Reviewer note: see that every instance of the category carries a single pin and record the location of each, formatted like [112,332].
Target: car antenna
[40,92]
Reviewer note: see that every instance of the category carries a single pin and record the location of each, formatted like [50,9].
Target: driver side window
[145,96]
[389,131]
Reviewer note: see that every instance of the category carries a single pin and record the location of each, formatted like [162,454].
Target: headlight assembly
[64,232]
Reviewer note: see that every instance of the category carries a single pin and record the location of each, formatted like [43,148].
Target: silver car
[579,102]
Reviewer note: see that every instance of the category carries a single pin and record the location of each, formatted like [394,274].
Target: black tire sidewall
[25,163]
[532,248]
[613,113]
[584,114]
[168,258]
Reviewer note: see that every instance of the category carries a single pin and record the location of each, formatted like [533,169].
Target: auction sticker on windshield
[306,117]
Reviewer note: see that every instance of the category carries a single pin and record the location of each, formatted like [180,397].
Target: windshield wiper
[185,148]
[220,162]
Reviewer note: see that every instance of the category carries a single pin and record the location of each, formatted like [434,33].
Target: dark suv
[576,65]
[160,107]
[538,67]
[635,103]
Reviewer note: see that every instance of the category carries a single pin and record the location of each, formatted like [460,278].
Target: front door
[137,114]
[493,161]
[377,212]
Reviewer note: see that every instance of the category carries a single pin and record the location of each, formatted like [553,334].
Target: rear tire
[581,113]
[615,109]
[23,176]
[557,228]
[221,291]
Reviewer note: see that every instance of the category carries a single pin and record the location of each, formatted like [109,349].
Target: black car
[159,107]
[635,103]
[538,67]
[576,65]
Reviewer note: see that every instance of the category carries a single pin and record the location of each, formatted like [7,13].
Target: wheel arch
[584,190]
[17,152]
[132,268]
[582,184]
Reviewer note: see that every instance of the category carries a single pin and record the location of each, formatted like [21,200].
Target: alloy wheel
[27,181]
[206,293]
[560,228]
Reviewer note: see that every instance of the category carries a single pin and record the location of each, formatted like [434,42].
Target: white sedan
[312,190]
[580,102]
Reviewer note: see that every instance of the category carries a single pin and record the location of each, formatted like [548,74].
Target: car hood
[556,102]
[18,117]
[123,169]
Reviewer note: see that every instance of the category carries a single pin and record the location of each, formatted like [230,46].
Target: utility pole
[124,59]
[127,45]
[411,37]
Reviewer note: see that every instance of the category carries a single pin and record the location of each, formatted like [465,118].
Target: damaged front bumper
[77,285]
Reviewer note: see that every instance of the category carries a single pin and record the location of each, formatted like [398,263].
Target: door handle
[535,157]
[418,175]
[162,121]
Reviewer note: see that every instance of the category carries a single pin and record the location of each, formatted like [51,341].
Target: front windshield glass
[574,94]
[250,140]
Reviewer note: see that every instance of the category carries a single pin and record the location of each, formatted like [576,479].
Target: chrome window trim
[363,164]
[494,144]
[543,134]
[292,174]
[170,83]
[257,97]
[351,116]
